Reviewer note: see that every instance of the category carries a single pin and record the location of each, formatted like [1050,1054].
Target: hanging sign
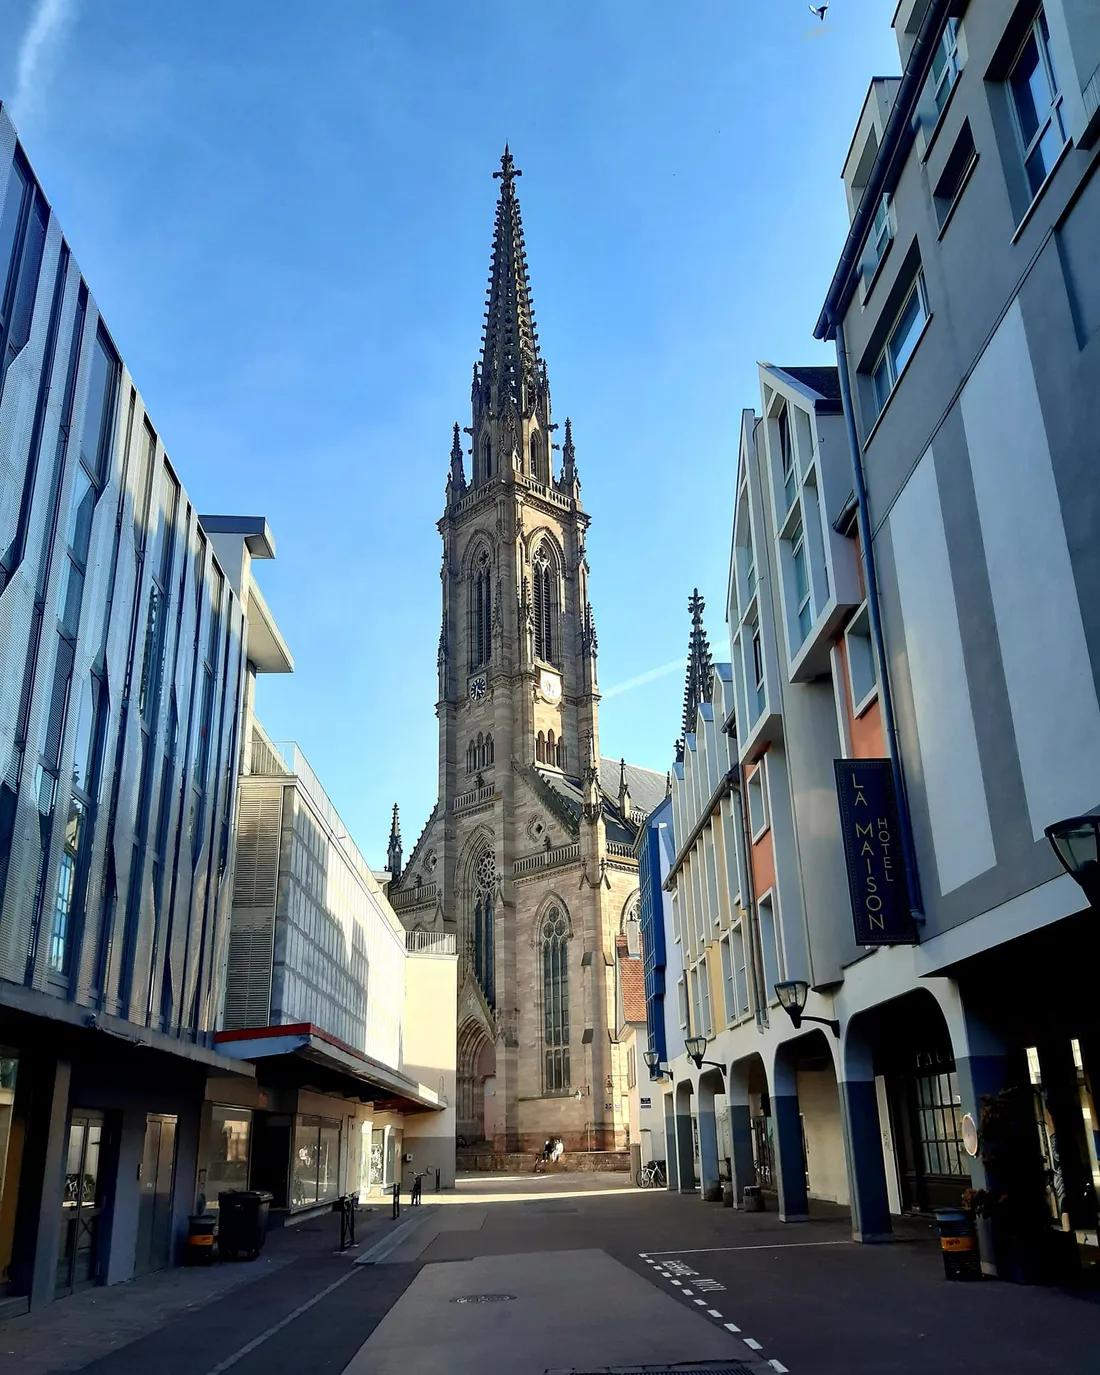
[871,832]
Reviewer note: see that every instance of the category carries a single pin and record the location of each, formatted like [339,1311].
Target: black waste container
[242,1222]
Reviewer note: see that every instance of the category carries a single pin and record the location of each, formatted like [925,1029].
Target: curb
[393,1239]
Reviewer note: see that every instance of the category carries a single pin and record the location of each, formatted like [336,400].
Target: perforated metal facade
[121,664]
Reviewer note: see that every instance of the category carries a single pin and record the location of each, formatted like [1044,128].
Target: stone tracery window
[484,896]
[554,942]
[544,583]
[481,611]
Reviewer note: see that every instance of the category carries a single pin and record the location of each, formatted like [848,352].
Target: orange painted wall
[762,857]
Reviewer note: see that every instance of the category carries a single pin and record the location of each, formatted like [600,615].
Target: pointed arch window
[551,748]
[486,459]
[540,747]
[555,1001]
[471,757]
[481,611]
[536,459]
[487,753]
[544,609]
[484,952]
[561,755]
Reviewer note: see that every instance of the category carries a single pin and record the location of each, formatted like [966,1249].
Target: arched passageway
[685,1137]
[751,1154]
[711,1103]
[903,1113]
[807,1128]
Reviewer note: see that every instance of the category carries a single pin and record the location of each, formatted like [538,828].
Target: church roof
[647,787]
[647,790]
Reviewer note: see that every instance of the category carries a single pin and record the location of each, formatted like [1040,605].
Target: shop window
[230,1130]
[315,1176]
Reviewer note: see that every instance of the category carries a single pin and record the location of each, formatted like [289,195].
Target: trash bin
[199,1249]
[242,1222]
[958,1245]
[752,1200]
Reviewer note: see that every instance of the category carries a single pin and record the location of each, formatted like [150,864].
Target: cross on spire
[508,169]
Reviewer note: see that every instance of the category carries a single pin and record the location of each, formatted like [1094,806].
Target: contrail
[647,677]
[47,24]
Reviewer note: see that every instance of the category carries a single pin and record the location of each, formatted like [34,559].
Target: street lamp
[792,994]
[696,1047]
[1076,842]
[652,1060]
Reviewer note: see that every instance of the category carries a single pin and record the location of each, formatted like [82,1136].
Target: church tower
[527,858]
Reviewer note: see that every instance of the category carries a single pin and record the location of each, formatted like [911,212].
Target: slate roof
[647,788]
[647,791]
[824,381]
[631,981]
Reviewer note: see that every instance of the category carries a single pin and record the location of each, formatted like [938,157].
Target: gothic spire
[510,365]
[697,688]
[456,482]
[569,482]
[393,853]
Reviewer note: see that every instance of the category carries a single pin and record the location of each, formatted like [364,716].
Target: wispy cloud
[47,25]
[649,676]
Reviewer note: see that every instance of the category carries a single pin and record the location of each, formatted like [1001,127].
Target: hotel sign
[872,848]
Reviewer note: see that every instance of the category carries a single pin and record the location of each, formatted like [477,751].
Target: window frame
[770,901]
[757,782]
[886,355]
[860,704]
[954,62]
[1039,33]
[800,556]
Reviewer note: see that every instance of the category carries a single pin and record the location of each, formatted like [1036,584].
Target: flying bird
[820,11]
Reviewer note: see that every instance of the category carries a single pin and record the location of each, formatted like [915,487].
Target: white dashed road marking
[668,1269]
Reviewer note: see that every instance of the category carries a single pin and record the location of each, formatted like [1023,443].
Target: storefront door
[934,1165]
[158,1168]
[81,1203]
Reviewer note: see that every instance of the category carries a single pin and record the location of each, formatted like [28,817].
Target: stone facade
[528,855]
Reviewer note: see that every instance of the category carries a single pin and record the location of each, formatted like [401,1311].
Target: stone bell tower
[526,858]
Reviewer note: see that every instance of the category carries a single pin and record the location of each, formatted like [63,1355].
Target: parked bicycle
[652,1176]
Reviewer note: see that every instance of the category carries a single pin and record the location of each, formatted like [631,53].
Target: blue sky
[285,211]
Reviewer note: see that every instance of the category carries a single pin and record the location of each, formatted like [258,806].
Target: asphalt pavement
[575,1273]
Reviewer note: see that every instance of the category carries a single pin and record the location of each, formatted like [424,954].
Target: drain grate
[484,1298]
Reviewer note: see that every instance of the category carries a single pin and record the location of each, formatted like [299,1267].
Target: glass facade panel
[315,1177]
[230,1129]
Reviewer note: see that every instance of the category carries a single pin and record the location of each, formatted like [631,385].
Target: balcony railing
[414,897]
[548,859]
[431,943]
[474,797]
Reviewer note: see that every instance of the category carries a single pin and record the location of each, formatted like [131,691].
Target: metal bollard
[397,1199]
[437,1181]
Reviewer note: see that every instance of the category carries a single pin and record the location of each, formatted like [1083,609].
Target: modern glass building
[347,1017]
[124,664]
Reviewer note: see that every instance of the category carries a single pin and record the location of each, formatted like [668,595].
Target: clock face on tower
[477,687]
[550,686]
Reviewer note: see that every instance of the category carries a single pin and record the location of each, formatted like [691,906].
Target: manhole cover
[484,1298]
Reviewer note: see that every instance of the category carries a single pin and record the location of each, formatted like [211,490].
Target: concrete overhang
[254,530]
[305,1044]
[266,647]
